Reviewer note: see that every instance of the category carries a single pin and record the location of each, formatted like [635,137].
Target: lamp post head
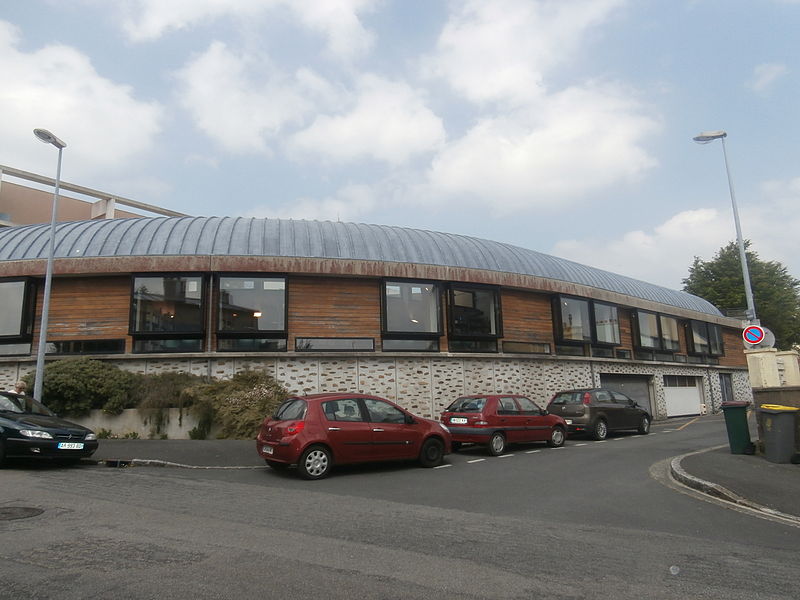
[48,138]
[709,136]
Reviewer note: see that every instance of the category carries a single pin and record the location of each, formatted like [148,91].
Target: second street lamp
[705,138]
[48,138]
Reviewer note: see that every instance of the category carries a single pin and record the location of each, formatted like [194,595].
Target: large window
[705,338]
[669,334]
[474,319]
[579,322]
[167,313]
[410,319]
[656,336]
[251,313]
[16,316]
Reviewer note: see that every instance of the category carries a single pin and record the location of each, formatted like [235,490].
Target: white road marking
[505,456]
[476,460]
[442,466]
[532,451]
[583,444]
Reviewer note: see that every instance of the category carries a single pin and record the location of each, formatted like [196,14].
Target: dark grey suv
[597,411]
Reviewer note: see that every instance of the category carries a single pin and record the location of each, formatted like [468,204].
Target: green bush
[75,386]
[162,391]
[238,405]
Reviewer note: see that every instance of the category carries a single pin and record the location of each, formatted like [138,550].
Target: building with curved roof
[416,316]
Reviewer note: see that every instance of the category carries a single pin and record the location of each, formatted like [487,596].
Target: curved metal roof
[239,236]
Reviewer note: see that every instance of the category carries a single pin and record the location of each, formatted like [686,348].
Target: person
[19,388]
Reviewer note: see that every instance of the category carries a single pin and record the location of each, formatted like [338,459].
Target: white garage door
[684,395]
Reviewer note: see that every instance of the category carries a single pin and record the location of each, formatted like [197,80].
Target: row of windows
[169,314]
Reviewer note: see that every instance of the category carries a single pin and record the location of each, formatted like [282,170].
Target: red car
[317,431]
[501,419]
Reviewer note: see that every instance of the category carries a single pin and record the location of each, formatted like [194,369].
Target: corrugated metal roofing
[237,236]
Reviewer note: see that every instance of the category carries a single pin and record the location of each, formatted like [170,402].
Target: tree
[776,294]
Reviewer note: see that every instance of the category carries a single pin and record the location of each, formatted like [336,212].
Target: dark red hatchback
[317,431]
[501,419]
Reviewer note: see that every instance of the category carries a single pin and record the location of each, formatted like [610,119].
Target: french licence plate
[267,449]
[458,420]
[568,421]
[70,445]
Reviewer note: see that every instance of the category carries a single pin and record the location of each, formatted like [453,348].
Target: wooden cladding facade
[98,308]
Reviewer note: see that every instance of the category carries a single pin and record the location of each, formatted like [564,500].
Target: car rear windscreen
[467,405]
[292,409]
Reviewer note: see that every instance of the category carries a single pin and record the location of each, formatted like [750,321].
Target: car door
[604,404]
[392,437]
[511,419]
[630,413]
[349,431]
[536,427]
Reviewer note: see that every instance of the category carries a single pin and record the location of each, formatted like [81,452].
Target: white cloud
[350,203]
[560,148]
[388,121]
[336,20]
[241,101]
[502,50]
[765,75]
[57,88]
[663,255]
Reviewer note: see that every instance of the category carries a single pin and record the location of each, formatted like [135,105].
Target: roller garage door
[633,386]
[683,395]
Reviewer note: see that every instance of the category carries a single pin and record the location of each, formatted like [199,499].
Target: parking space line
[532,451]
[476,460]
[505,456]
[583,444]
[601,441]
[618,439]
[689,423]
[559,447]
[442,466]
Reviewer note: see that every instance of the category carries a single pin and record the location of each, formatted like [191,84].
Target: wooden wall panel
[734,349]
[86,308]
[527,317]
[334,307]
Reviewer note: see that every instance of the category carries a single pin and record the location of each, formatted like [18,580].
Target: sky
[562,126]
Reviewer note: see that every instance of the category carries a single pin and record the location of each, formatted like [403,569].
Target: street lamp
[705,138]
[47,138]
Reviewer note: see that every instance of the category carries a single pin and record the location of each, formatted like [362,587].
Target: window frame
[249,334]
[27,315]
[593,340]
[497,314]
[709,328]
[411,336]
[661,348]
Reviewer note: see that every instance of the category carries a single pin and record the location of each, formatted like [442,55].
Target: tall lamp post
[47,138]
[705,138]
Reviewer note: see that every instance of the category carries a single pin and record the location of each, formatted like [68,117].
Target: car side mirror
[409,420]
[543,411]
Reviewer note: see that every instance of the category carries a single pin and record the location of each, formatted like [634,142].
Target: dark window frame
[249,333]
[558,323]
[145,336]
[28,312]
[661,348]
[709,328]
[297,349]
[497,316]
[416,335]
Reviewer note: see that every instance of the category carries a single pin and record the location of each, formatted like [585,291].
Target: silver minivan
[597,411]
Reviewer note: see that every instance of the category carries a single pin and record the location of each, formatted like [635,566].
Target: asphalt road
[591,520]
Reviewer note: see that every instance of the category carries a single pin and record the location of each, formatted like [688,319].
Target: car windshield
[467,405]
[23,404]
[292,409]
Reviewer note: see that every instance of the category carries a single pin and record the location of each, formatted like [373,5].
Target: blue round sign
[753,334]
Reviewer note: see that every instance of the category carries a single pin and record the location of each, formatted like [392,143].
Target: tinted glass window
[467,405]
[669,334]
[620,398]
[342,410]
[527,406]
[568,398]
[602,396]
[715,340]
[575,324]
[167,304]
[699,333]
[381,412]
[252,304]
[294,408]
[606,323]
[12,299]
[411,307]
[473,312]
[648,329]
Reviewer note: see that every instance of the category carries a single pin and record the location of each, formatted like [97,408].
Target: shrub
[77,385]
[162,391]
[238,405]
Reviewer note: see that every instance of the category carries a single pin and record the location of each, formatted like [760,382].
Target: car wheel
[644,425]
[557,437]
[455,446]
[315,463]
[278,466]
[600,430]
[497,444]
[432,453]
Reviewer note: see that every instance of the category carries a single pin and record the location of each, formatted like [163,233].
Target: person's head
[20,387]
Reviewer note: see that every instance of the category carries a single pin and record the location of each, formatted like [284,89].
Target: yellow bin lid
[778,407]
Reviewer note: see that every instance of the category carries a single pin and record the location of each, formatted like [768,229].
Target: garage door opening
[683,395]
[636,387]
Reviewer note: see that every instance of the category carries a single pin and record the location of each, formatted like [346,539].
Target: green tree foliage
[776,294]
[75,386]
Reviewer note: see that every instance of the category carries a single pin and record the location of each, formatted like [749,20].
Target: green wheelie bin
[738,429]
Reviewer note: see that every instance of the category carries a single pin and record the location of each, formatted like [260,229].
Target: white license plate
[458,420]
[267,449]
[568,421]
[70,446]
